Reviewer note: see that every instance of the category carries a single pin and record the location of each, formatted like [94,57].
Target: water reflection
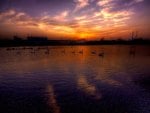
[52,99]
[75,79]
[87,87]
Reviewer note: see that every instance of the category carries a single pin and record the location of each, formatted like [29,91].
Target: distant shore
[42,41]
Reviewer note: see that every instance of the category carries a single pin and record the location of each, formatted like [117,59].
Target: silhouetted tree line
[44,41]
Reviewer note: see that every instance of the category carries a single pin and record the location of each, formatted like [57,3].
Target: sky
[75,19]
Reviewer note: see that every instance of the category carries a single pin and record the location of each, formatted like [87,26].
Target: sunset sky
[75,19]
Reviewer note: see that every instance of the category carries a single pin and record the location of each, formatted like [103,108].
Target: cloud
[104,2]
[108,15]
[78,26]
[62,16]
[118,5]
[7,14]
[16,18]
[115,12]
[138,1]
[81,4]
[81,17]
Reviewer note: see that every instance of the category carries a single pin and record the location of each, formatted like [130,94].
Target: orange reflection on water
[87,87]
[52,99]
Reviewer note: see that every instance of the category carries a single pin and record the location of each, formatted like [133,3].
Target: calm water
[75,79]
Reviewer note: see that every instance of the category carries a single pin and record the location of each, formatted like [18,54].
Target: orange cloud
[68,23]
[81,4]
[62,16]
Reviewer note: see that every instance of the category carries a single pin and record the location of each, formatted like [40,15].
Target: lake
[75,79]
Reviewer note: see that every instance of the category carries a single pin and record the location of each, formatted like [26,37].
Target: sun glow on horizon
[88,19]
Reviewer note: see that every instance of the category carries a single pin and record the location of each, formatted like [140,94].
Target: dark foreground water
[75,79]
